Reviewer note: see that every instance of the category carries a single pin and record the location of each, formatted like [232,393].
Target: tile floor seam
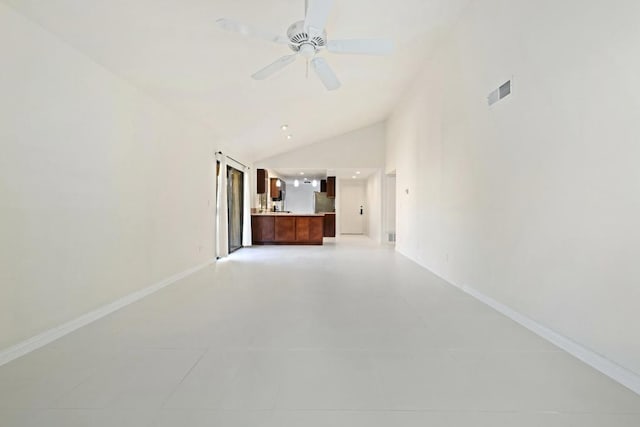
[169,395]
[380,381]
[352,320]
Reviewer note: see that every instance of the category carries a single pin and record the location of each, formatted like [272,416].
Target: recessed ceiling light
[301,173]
[289,136]
[358,173]
[354,177]
[284,127]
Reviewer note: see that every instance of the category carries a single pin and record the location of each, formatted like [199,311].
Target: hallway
[346,334]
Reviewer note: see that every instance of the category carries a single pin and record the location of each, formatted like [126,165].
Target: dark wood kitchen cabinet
[262,181]
[285,228]
[263,229]
[331,187]
[329,225]
[276,192]
[309,229]
[323,185]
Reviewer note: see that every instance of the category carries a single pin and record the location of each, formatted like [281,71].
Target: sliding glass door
[235,199]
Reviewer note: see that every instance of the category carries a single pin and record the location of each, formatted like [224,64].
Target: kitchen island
[280,228]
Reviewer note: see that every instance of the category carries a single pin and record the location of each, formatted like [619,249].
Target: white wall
[300,199]
[389,207]
[373,208]
[362,148]
[102,190]
[534,201]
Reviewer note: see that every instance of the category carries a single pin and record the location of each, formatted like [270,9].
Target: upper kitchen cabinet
[262,181]
[323,185]
[331,187]
[277,190]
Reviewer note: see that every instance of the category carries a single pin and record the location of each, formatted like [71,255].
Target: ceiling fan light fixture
[307,51]
[306,38]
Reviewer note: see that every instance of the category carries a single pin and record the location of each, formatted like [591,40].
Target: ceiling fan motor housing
[301,40]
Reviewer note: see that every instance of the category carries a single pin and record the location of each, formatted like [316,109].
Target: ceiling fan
[308,37]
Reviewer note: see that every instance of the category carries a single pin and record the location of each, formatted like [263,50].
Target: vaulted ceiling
[173,51]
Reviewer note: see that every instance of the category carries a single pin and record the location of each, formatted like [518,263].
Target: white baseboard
[627,378]
[40,340]
[622,375]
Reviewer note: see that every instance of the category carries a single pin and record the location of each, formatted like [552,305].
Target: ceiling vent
[502,92]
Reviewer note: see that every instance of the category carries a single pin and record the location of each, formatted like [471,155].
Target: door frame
[229,192]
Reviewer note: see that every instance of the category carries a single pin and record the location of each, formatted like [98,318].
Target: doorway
[235,207]
[390,209]
[352,206]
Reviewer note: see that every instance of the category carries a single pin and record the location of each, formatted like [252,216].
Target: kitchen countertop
[285,214]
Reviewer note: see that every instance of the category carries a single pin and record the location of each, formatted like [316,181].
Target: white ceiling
[359,173]
[173,50]
[290,174]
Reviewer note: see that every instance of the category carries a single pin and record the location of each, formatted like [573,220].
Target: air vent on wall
[500,93]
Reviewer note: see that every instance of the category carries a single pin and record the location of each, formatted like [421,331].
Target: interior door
[235,201]
[352,203]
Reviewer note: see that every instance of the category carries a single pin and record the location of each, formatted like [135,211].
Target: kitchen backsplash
[323,203]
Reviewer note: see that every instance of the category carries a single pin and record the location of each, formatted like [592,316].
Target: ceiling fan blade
[273,68]
[245,30]
[363,47]
[325,73]
[317,15]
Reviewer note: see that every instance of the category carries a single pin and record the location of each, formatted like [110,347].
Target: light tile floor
[347,334]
